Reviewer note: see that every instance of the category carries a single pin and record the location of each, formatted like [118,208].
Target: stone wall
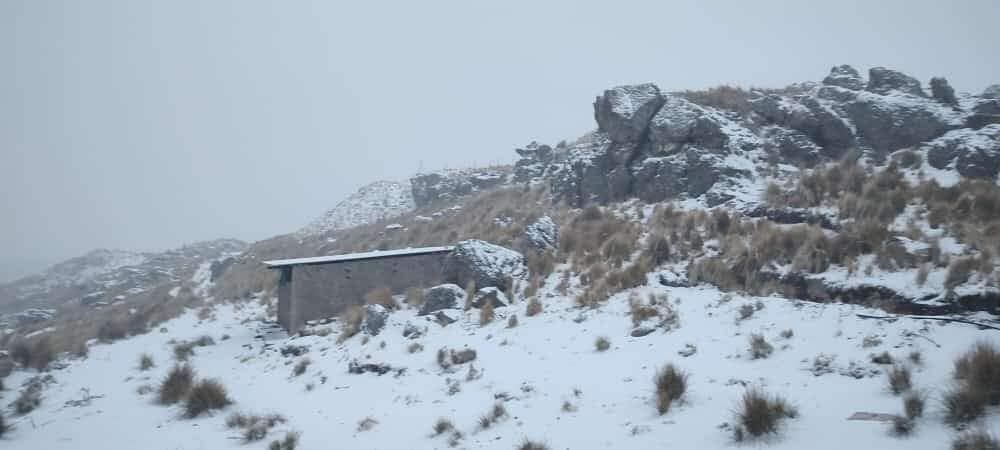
[325,290]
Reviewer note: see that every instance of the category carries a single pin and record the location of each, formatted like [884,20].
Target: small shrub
[29,399]
[352,318]
[205,396]
[512,321]
[527,444]
[745,312]
[568,407]
[962,405]
[289,443]
[602,344]
[916,357]
[301,367]
[641,312]
[671,383]
[415,347]
[381,296]
[883,358]
[787,334]
[183,351]
[176,385]
[979,370]
[443,426]
[759,413]
[534,307]
[486,313]
[899,379]
[913,404]
[759,347]
[146,362]
[902,426]
[975,440]
[443,358]
[367,424]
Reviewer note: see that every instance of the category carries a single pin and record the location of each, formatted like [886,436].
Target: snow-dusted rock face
[447,185]
[974,153]
[377,201]
[486,264]
[445,296]
[623,112]
[542,234]
[658,146]
[374,321]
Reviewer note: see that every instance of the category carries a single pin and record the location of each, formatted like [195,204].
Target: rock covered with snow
[974,153]
[485,264]
[534,159]
[374,320]
[623,112]
[542,234]
[444,296]
[846,77]
[942,91]
[376,201]
[899,120]
[883,81]
[447,185]
[492,295]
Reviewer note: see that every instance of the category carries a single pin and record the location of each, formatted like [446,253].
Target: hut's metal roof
[277,263]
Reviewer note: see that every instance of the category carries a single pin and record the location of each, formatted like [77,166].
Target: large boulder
[624,112]
[534,159]
[808,115]
[975,153]
[846,77]
[444,296]
[581,179]
[680,121]
[890,123]
[942,91]
[884,81]
[542,234]
[374,320]
[486,264]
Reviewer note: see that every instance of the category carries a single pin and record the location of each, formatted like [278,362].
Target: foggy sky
[151,124]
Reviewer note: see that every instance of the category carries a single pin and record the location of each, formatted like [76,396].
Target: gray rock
[445,296]
[581,179]
[794,147]
[942,91]
[680,121]
[542,234]
[534,160]
[991,92]
[661,178]
[374,321]
[443,319]
[490,294]
[835,93]
[984,113]
[448,185]
[809,116]
[485,264]
[846,77]
[641,331]
[888,126]
[884,81]
[623,112]
[975,153]
[412,331]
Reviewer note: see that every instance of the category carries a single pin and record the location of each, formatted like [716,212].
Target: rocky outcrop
[542,234]
[445,296]
[942,91]
[485,264]
[448,185]
[889,123]
[535,159]
[985,112]
[846,77]
[974,153]
[374,321]
[883,81]
[623,112]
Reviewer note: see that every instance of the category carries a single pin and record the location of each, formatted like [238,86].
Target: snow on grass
[545,362]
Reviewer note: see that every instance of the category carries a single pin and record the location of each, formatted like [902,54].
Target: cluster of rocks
[656,146]
[434,187]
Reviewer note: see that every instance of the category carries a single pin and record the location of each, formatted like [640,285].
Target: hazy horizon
[150,125]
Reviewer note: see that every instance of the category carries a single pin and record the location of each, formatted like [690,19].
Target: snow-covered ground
[545,361]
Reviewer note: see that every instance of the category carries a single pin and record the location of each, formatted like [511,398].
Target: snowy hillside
[376,201]
[554,385]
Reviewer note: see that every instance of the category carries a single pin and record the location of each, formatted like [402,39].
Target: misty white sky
[150,124]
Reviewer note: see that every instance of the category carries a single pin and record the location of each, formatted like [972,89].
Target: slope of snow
[545,361]
[374,202]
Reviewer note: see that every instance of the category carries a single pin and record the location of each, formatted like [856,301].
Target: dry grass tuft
[176,385]
[486,313]
[512,321]
[534,307]
[351,318]
[301,366]
[759,347]
[206,396]
[443,426]
[899,378]
[975,440]
[146,362]
[913,404]
[671,383]
[602,344]
[759,413]
[381,296]
[528,444]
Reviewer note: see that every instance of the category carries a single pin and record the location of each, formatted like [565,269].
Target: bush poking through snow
[512,321]
[787,334]
[916,357]
[975,440]
[899,379]
[902,426]
[671,383]
[176,385]
[443,426]
[527,444]
[486,313]
[29,399]
[255,428]
[883,358]
[351,318]
[979,371]
[183,351]
[367,424]
[602,344]
[301,367]
[415,347]
[759,414]
[745,312]
[146,362]
[290,441]
[759,347]
[534,307]
[496,414]
[206,396]
[913,404]
[962,405]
